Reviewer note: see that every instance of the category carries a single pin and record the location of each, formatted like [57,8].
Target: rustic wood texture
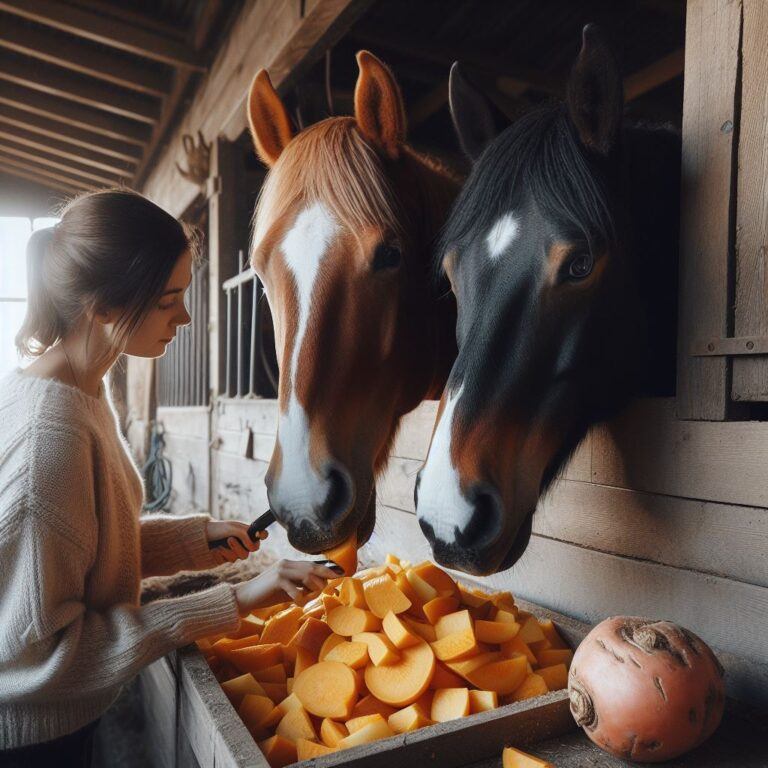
[711,64]
[159,700]
[186,431]
[750,375]
[592,585]
[267,34]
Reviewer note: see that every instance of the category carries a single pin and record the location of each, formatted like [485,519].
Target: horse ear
[271,127]
[471,114]
[379,109]
[595,94]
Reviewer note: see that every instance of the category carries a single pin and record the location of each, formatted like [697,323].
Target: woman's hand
[283,579]
[239,544]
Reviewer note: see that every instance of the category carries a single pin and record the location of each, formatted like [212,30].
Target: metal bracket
[736,346]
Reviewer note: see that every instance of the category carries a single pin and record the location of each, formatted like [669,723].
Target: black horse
[562,251]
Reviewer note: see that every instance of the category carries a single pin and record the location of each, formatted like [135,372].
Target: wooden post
[709,129]
[222,253]
[750,374]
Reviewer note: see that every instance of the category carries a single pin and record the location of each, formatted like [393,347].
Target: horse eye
[580,266]
[386,257]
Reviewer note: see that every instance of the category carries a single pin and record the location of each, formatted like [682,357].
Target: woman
[108,279]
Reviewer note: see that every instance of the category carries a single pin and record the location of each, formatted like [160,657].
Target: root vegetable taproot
[645,689]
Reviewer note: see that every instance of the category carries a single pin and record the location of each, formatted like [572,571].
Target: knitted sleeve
[171,543]
[63,648]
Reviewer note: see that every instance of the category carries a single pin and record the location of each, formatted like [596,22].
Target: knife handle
[259,524]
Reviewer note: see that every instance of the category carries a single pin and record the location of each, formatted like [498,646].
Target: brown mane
[329,162]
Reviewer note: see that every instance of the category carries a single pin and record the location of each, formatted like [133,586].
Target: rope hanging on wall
[158,473]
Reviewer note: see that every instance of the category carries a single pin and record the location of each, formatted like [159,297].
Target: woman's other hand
[282,581]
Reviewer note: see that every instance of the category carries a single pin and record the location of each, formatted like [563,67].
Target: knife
[261,523]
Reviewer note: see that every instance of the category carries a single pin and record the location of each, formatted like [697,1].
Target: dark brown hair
[112,249]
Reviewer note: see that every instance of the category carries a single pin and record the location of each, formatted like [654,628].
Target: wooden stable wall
[663,512]
[653,516]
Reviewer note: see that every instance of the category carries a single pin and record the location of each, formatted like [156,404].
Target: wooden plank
[101,29]
[69,113]
[647,449]
[230,441]
[81,57]
[189,458]
[217,736]
[40,158]
[266,33]
[750,375]
[239,491]
[159,700]
[52,80]
[67,135]
[258,414]
[659,72]
[46,181]
[222,256]
[711,65]
[678,532]
[187,421]
[590,586]
[9,163]
[49,146]
[177,90]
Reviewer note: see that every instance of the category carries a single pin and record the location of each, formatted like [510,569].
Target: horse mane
[329,162]
[539,155]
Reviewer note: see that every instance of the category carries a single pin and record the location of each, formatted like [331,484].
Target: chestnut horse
[342,240]
[562,252]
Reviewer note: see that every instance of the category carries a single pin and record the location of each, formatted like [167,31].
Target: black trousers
[75,750]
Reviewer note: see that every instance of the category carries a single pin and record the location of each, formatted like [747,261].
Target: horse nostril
[340,490]
[487,521]
[416,488]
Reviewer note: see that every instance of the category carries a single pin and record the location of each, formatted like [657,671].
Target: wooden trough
[190,723]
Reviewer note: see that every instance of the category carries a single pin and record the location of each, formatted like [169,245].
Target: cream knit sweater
[72,552]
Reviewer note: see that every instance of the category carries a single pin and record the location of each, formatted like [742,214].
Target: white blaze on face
[501,235]
[299,487]
[441,503]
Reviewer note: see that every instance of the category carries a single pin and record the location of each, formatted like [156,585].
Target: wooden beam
[142,20]
[269,33]
[63,149]
[180,83]
[421,110]
[50,79]
[69,134]
[65,111]
[101,29]
[508,79]
[81,57]
[712,39]
[662,71]
[25,155]
[48,183]
[750,377]
[8,161]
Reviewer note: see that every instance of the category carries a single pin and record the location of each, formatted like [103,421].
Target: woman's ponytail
[112,249]
[42,325]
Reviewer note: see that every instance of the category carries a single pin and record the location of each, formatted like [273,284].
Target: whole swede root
[645,690]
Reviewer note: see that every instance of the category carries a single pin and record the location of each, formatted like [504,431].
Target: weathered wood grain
[158,696]
[266,33]
[647,449]
[591,585]
[711,65]
[750,374]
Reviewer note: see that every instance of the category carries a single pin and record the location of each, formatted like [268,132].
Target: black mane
[538,156]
